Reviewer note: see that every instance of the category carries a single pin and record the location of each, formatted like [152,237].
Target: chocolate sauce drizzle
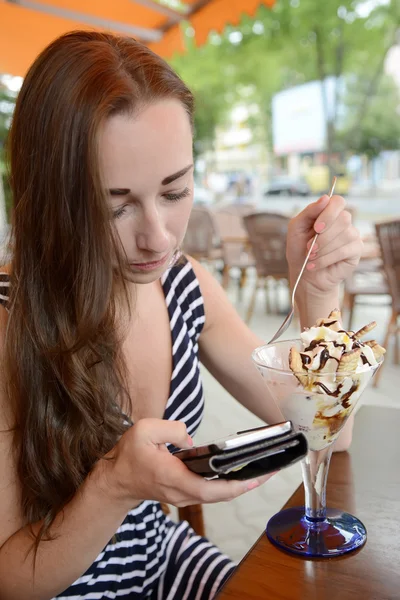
[336,393]
[325,356]
[305,359]
[316,343]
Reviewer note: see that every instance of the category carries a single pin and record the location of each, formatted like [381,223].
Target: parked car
[287,186]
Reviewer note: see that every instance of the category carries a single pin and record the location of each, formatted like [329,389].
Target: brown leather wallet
[249,454]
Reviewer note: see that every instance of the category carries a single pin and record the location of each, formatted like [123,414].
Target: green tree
[296,42]
[380,128]
[200,69]
[312,40]
[7,103]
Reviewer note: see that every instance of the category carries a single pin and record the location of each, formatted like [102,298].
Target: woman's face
[147,166]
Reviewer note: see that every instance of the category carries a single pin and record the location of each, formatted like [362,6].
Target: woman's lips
[149,266]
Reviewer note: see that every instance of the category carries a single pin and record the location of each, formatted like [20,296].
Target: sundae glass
[316,382]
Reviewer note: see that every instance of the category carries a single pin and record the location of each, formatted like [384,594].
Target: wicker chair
[201,239]
[239,209]
[234,244]
[388,235]
[267,236]
[192,514]
[368,279]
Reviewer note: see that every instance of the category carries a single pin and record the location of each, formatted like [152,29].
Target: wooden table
[364,481]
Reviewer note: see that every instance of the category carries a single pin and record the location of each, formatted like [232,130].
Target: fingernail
[323,199]
[312,255]
[311,266]
[190,441]
[315,247]
[319,227]
[251,485]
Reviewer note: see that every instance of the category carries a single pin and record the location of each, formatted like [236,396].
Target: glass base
[335,535]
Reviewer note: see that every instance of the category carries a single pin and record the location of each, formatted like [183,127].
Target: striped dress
[152,556]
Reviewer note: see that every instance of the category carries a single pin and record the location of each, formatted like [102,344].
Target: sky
[364,9]
[392,65]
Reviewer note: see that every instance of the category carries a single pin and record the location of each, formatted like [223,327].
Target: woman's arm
[226,345]
[225,348]
[81,531]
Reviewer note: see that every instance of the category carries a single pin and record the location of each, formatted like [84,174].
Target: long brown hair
[63,364]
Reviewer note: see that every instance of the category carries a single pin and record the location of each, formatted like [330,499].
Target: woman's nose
[152,235]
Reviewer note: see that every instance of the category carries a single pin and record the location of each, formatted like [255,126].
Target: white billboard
[298,119]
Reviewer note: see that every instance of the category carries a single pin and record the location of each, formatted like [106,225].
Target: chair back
[201,235]
[238,209]
[388,235]
[232,234]
[267,236]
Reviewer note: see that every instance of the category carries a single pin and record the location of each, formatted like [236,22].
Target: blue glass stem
[315,467]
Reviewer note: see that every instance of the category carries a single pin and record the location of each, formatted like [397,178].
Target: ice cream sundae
[316,382]
[333,368]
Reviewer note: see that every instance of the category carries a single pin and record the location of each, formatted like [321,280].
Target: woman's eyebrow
[172,178]
[119,191]
[166,181]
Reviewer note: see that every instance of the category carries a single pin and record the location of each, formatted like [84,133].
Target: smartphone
[238,440]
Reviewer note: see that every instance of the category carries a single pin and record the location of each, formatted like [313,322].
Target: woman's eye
[116,214]
[174,197]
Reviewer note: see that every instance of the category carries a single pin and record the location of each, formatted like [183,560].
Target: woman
[101,331]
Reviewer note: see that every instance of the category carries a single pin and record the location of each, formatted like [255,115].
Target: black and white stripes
[186,315]
[4,289]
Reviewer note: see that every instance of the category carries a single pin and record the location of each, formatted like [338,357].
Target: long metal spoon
[286,323]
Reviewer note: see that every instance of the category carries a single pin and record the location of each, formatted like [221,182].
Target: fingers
[175,483]
[341,227]
[265,478]
[338,239]
[348,253]
[306,218]
[195,488]
[318,216]
[327,218]
[329,233]
[160,431]
[221,490]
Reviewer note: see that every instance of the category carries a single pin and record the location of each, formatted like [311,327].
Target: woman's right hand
[140,467]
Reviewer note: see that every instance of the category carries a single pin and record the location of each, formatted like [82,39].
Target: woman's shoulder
[215,300]
[182,289]
[179,276]
[202,275]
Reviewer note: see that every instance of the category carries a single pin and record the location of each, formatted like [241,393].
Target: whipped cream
[334,367]
[324,346]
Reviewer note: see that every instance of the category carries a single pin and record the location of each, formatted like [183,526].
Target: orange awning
[27,26]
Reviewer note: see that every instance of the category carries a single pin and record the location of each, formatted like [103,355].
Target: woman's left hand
[338,248]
